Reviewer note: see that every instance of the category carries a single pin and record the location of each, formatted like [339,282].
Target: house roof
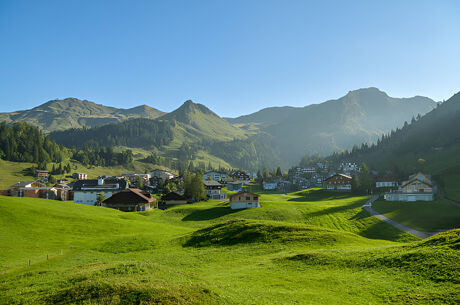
[173,196]
[22,184]
[343,175]
[211,183]
[130,196]
[242,193]
[92,184]
[416,179]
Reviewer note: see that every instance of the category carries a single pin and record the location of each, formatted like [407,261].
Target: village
[162,188]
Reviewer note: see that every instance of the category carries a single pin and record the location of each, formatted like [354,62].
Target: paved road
[368,207]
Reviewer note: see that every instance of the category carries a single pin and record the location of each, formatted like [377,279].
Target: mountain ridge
[61,114]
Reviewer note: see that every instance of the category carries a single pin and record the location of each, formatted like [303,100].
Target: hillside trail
[368,207]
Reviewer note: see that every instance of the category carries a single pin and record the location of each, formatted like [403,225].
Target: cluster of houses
[122,192]
[133,191]
[418,187]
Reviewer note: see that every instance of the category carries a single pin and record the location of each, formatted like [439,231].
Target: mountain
[74,113]
[271,137]
[191,132]
[431,142]
[197,120]
[360,116]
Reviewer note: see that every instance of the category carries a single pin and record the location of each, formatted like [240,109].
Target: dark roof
[109,184]
[130,196]
[241,193]
[173,196]
[211,183]
[343,175]
[22,183]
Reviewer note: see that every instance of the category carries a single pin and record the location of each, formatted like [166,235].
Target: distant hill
[431,142]
[360,116]
[196,120]
[277,136]
[74,113]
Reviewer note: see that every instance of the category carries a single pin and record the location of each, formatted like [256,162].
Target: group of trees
[22,142]
[362,183]
[104,156]
[266,174]
[194,187]
[142,133]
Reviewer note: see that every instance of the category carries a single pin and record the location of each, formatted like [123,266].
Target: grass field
[429,216]
[307,247]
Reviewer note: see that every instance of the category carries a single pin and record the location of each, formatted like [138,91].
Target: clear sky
[235,57]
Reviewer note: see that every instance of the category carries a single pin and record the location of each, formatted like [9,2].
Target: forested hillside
[143,133]
[360,116]
[22,142]
[427,142]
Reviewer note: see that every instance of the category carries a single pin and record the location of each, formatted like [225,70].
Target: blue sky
[235,57]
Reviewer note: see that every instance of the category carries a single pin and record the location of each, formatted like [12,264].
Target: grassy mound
[113,293]
[235,232]
[450,239]
[126,244]
[435,259]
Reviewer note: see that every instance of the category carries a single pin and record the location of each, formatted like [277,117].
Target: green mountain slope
[197,120]
[360,116]
[435,138]
[74,113]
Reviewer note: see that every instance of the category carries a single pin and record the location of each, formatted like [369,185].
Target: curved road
[368,207]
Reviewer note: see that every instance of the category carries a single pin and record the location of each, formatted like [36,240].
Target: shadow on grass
[337,209]
[320,195]
[208,214]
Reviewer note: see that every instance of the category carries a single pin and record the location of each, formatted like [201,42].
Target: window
[248,198]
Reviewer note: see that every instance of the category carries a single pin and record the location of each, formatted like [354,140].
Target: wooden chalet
[130,200]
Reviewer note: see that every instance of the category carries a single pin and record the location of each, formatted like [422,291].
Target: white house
[213,189]
[269,185]
[162,174]
[87,191]
[216,176]
[244,200]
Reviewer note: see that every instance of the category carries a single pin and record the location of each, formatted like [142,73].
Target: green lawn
[302,248]
[427,216]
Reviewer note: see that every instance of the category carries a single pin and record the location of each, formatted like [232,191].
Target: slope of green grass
[337,211]
[298,248]
[429,216]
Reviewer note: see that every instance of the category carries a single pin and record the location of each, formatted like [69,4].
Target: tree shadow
[208,214]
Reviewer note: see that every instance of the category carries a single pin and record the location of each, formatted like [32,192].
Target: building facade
[244,200]
[87,191]
[338,182]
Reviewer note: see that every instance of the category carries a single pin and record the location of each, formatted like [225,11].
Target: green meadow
[309,247]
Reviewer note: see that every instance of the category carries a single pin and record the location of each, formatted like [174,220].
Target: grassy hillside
[297,248]
[428,216]
[13,172]
[74,113]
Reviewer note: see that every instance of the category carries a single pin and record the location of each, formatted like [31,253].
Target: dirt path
[368,207]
